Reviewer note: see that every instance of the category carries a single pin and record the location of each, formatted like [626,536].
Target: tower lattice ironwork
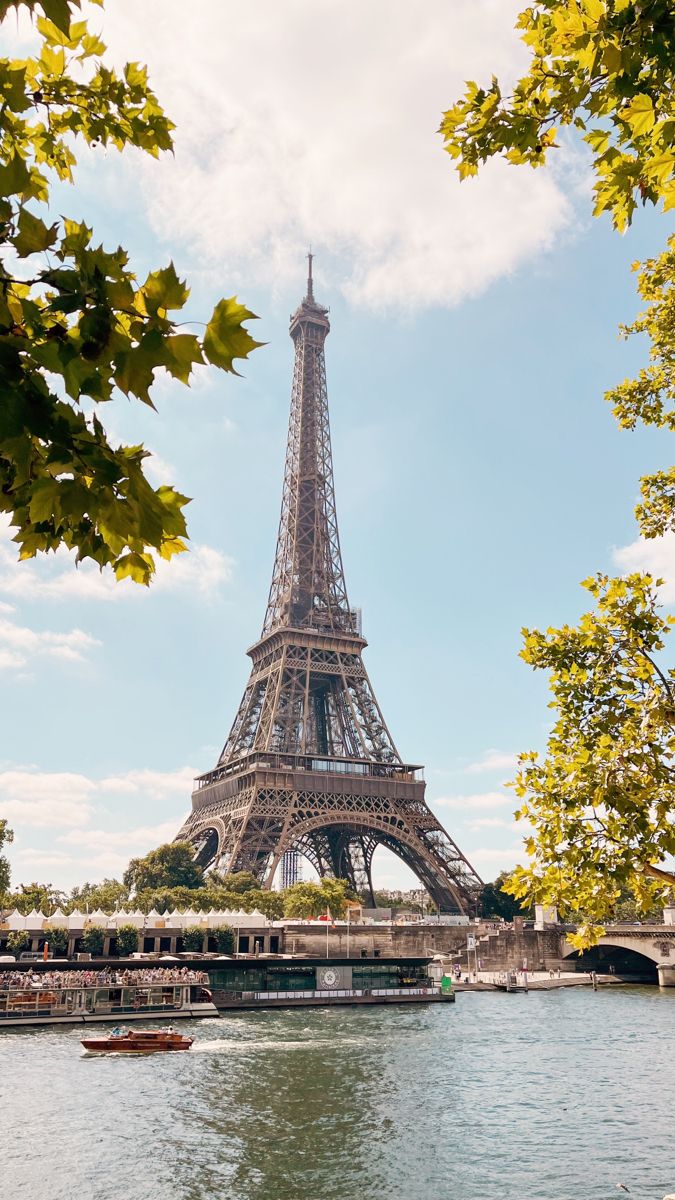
[309,764]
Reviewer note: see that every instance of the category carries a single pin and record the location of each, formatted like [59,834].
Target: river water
[555,1095]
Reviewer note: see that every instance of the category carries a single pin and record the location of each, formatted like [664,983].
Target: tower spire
[308,586]
[310,281]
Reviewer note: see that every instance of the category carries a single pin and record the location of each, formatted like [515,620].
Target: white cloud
[67,800]
[46,798]
[154,784]
[490,860]
[653,555]
[201,571]
[492,760]
[480,800]
[132,841]
[42,858]
[157,468]
[10,660]
[492,823]
[298,125]
[81,827]
[19,644]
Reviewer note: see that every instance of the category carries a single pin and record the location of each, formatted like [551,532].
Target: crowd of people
[107,977]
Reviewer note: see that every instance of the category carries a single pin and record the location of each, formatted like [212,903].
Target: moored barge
[294,982]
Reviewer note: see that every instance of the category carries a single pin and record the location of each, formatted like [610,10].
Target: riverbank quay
[540,946]
[494,981]
[629,948]
[50,992]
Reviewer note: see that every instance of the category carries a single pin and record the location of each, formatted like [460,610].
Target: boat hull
[152,1042]
[98,1018]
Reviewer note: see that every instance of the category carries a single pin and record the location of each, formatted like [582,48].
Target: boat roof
[215,962]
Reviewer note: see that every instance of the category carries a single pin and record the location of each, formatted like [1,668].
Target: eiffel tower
[309,764]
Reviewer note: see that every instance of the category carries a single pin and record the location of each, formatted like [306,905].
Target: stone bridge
[639,950]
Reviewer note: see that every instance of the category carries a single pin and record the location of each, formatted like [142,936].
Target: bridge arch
[630,957]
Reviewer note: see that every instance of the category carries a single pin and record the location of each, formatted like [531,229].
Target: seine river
[551,1096]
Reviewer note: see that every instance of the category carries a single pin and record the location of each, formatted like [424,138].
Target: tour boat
[133,996]
[138,1041]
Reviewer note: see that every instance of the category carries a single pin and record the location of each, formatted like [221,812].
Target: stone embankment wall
[497,949]
[388,940]
[511,949]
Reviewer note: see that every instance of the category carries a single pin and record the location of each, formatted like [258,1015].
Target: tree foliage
[238,882]
[223,936]
[601,801]
[6,836]
[35,897]
[169,866]
[76,326]
[17,941]
[106,896]
[306,899]
[606,68]
[495,901]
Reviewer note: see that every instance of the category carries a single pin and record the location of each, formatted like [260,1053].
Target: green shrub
[93,939]
[127,940]
[17,941]
[223,936]
[58,940]
[193,938]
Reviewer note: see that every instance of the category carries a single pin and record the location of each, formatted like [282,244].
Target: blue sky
[479,472]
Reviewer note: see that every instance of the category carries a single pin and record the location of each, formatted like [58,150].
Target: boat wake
[232,1046]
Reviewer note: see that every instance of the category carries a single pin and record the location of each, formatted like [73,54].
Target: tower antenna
[310,281]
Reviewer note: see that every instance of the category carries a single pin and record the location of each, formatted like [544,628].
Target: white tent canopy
[76,921]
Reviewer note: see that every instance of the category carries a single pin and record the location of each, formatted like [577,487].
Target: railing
[73,1001]
[304,762]
[339,993]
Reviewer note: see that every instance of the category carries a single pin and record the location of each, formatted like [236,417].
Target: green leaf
[640,114]
[183,352]
[43,500]
[53,60]
[58,12]
[135,368]
[164,290]
[139,567]
[225,338]
[14,176]
[33,235]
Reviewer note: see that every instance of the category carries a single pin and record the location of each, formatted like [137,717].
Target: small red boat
[138,1041]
